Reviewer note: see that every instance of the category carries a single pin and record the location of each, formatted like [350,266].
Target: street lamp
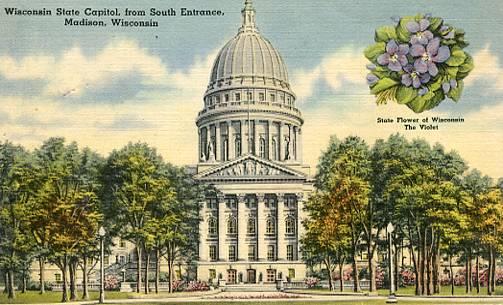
[101,233]
[391,298]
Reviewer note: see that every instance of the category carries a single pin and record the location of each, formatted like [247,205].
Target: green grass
[55,297]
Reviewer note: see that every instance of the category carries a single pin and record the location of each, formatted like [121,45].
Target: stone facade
[250,149]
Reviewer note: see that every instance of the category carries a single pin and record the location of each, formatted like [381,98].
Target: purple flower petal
[403,49]
[372,79]
[428,35]
[423,24]
[371,67]
[449,35]
[446,87]
[453,83]
[420,66]
[423,91]
[412,26]
[425,78]
[392,47]
[408,68]
[383,59]
[402,59]
[416,82]
[444,28]
[417,50]
[395,66]
[406,80]
[443,54]
[423,40]
[432,68]
[433,45]
[414,39]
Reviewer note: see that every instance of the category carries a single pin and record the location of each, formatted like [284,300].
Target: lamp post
[391,298]
[101,233]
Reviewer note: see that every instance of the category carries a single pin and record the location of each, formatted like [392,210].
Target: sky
[105,86]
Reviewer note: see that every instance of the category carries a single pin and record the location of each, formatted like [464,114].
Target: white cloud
[73,72]
[487,68]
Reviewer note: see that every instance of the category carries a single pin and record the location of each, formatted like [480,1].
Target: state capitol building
[250,149]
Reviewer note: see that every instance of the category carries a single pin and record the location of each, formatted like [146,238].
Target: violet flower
[433,53]
[413,77]
[371,79]
[394,57]
[419,30]
[447,86]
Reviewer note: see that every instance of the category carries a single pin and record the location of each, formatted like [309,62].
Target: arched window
[270,226]
[251,226]
[262,148]
[274,149]
[212,226]
[290,225]
[237,146]
[232,226]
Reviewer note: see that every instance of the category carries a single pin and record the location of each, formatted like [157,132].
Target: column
[300,218]
[261,246]
[280,237]
[203,231]
[199,141]
[269,140]
[222,232]
[244,137]
[218,144]
[206,141]
[280,141]
[299,145]
[256,137]
[242,223]
[231,140]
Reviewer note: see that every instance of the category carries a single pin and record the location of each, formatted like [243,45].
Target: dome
[248,57]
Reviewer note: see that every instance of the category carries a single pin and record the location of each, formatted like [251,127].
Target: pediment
[250,167]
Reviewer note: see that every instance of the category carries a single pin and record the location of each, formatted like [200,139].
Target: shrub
[311,282]
[197,286]
[111,282]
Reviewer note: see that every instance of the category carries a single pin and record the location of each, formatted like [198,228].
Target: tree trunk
[41,265]
[138,267]
[328,265]
[147,265]
[493,273]
[371,267]
[85,289]
[415,259]
[11,289]
[73,268]
[64,297]
[356,277]
[157,269]
[6,282]
[490,272]
[341,278]
[422,267]
[477,272]
[451,274]
[438,267]
[397,269]
[170,273]
[23,283]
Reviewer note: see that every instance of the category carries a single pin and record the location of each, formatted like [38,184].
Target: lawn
[55,297]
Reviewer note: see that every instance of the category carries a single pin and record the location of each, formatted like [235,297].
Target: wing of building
[250,149]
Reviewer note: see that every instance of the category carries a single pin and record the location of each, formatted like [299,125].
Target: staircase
[250,287]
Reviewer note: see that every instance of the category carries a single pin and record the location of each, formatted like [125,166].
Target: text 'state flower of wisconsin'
[433,53]
[419,30]
[394,57]
[413,77]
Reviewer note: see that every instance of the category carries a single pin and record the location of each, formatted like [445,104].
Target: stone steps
[250,287]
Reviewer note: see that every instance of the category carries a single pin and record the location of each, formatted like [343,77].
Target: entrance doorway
[231,276]
[271,275]
[251,276]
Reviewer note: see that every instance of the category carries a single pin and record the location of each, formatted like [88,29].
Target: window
[262,148]
[251,253]
[251,202]
[213,252]
[249,96]
[213,274]
[225,150]
[122,259]
[212,203]
[290,226]
[212,226]
[226,97]
[270,226]
[271,253]
[231,225]
[122,244]
[231,202]
[251,226]
[237,97]
[57,277]
[290,202]
[237,146]
[217,99]
[274,149]
[270,202]
[273,98]
[261,96]
[232,253]
[291,273]
[106,261]
[289,253]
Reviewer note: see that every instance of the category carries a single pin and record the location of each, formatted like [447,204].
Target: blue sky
[106,86]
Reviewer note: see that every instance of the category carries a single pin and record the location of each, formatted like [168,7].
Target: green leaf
[402,33]
[417,105]
[405,94]
[436,84]
[435,100]
[455,93]
[452,71]
[385,34]
[382,85]
[373,51]
[467,66]
[435,23]
[457,58]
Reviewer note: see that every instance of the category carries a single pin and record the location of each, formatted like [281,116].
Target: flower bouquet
[418,62]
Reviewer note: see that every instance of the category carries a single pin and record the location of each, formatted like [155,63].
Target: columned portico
[250,149]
